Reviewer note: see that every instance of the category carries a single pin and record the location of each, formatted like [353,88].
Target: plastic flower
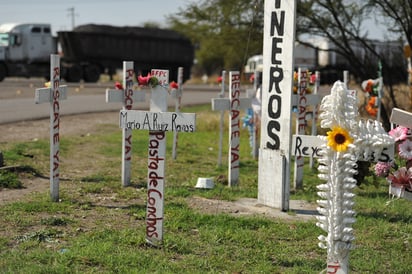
[312,79]
[401,178]
[405,149]
[174,85]
[252,78]
[399,133]
[339,139]
[368,86]
[382,169]
[371,108]
[118,85]
[148,80]
[143,81]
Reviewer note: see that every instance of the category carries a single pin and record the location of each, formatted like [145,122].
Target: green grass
[98,225]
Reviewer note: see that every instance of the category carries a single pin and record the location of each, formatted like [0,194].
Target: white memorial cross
[350,140]
[127,96]
[275,133]
[222,114]
[177,94]
[252,93]
[157,121]
[234,104]
[52,95]
[301,101]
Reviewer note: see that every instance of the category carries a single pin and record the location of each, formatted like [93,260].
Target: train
[88,51]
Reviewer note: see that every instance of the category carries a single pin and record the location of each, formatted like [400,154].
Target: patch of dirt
[30,186]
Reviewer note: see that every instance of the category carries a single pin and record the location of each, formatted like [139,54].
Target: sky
[111,12]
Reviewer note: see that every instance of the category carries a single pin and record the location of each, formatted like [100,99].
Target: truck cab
[25,49]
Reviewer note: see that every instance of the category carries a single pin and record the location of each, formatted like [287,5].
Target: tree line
[227,32]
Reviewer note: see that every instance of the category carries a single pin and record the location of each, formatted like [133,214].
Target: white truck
[25,50]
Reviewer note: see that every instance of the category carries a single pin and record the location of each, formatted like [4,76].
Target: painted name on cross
[156,164]
[158,121]
[311,146]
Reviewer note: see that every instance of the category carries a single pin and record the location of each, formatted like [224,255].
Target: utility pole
[72,15]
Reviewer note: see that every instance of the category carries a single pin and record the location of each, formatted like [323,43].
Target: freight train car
[90,50]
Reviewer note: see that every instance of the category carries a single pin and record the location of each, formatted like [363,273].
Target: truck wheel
[3,72]
[91,73]
[74,74]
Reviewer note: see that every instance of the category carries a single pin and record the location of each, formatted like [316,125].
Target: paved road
[17,99]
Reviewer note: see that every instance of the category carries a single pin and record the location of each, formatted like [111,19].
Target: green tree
[225,32]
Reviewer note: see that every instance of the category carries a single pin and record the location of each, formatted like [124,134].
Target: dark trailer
[90,50]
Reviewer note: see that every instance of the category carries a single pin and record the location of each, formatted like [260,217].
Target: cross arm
[44,95]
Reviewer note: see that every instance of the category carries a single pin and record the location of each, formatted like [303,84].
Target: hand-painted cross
[221,121]
[177,94]
[52,95]
[157,121]
[127,96]
[301,101]
[234,104]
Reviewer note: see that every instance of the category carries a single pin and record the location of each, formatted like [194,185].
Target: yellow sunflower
[339,139]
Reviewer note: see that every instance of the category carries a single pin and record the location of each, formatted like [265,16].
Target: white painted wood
[178,103]
[401,117]
[310,99]
[158,100]
[53,94]
[43,95]
[306,146]
[223,104]
[128,97]
[311,146]
[234,104]
[222,115]
[315,110]
[234,127]
[117,96]
[300,124]
[158,121]
[275,142]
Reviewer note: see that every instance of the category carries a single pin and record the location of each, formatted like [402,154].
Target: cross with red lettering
[234,104]
[52,95]
[127,96]
[157,121]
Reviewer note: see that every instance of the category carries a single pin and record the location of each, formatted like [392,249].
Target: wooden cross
[52,95]
[401,117]
[177,94]
[127,96]
[158,122]
[274,151]
[222,114]
[301,100]
[234,104]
